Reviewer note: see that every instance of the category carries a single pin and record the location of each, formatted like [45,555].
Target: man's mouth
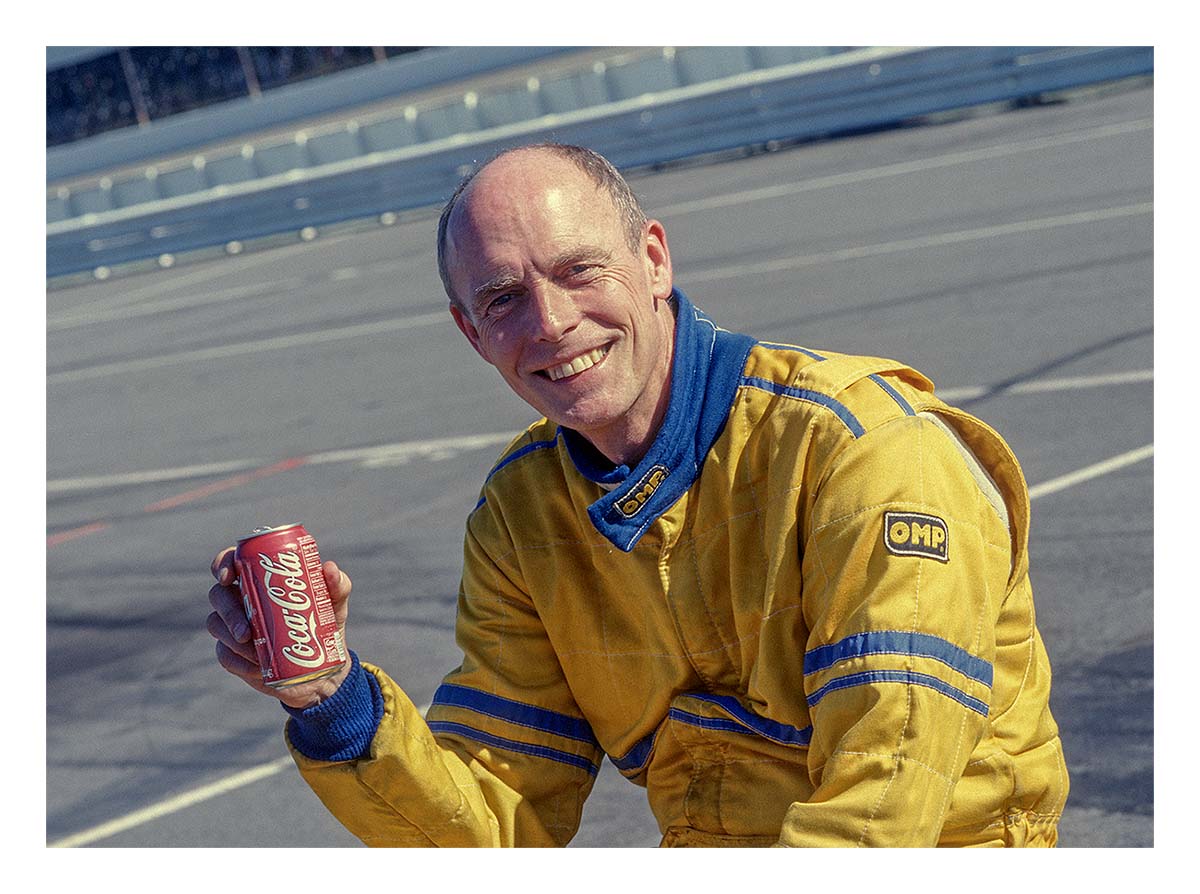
[576,366]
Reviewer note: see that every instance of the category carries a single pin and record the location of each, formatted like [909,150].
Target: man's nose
[554,310]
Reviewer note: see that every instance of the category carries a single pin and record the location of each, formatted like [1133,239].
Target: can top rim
[267,529]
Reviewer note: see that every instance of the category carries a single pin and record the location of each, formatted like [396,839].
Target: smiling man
[786,591]
[568,300]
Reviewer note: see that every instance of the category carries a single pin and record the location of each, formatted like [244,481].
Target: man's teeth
[578,365]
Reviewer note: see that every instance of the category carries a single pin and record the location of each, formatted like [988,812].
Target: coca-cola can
[296,636]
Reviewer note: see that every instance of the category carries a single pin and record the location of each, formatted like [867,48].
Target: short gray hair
[595,165]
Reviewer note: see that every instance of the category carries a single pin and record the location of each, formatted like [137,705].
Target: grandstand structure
[92,90]
[119,120]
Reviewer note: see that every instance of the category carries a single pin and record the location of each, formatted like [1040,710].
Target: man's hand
[235,642]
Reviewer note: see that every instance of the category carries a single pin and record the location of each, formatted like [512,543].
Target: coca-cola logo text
[299,616]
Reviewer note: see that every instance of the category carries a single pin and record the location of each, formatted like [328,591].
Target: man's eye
[500,300]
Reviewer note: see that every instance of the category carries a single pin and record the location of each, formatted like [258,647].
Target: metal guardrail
[845,92]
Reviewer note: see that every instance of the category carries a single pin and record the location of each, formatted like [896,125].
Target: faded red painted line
[216,487]
[73,533]
[184,498]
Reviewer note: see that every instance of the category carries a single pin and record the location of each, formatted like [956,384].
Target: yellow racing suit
[803,619]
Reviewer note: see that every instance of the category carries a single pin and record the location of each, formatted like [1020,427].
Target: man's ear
[466,327]
[658,260]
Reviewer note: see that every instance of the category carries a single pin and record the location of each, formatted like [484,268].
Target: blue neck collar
[705,375]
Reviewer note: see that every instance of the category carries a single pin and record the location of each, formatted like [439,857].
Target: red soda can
[287,603]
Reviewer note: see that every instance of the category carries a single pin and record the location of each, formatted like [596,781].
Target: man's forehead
[494,210]
[544,182]
[556,202]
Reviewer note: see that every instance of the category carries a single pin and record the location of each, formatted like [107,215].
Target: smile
[576,366]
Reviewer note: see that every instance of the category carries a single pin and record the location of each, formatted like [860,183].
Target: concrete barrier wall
[672,105]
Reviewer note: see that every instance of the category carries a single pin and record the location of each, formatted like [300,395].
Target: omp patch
[914,534]
[631,503]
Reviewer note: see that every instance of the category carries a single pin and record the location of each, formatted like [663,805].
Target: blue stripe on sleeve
[899,642]
[635,758]
[895,395]
[777,346]
[743,721]
[765,727]
[721,723]
[814,397]
[469,732]
[515,712]
[899,676]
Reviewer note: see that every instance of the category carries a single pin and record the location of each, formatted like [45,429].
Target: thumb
[337,582]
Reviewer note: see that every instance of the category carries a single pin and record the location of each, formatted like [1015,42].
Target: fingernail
[241,631]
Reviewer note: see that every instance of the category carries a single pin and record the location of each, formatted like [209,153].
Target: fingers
[228,606]
[222,566]
[241,667]
[219,630]
[235,652]
[237,663]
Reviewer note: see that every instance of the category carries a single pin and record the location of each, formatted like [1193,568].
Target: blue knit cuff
[341,727]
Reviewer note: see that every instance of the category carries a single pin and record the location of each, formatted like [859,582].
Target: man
[787,592]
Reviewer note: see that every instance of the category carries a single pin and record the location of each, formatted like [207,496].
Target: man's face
[574,320]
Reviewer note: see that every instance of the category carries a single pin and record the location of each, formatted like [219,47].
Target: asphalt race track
[1008,256]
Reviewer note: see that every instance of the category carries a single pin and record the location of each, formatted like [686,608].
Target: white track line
[1089,472]
[406,451]
[182,473]
[936,240]
[91,315]
[172,805]
[179,802]
[262,771]
[902,168]
[174,282]
[268,287]
[381,455]
[221,352]
[1043,385]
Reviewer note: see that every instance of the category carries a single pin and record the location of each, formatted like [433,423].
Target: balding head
[544,156]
